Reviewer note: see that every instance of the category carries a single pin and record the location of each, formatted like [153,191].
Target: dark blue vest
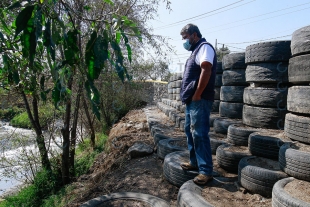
[192,73]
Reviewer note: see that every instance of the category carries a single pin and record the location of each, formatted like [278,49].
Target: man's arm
[205,75]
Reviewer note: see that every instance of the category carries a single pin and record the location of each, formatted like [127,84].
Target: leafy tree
[57,49]
[221,52]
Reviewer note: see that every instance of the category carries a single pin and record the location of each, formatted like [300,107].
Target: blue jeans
[197,127]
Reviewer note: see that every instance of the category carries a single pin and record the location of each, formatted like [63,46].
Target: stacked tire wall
[265,98]
[233,79]
[217,89]
[297,121]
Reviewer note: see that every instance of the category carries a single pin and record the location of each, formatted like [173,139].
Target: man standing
[197,92]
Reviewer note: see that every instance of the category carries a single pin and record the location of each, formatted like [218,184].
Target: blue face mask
[187,45]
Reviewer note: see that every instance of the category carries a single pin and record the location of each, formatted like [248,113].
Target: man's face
[191,38]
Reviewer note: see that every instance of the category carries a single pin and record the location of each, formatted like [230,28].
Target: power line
[174,24]
[255,17]
[256,40]
[259,20]
[231,46]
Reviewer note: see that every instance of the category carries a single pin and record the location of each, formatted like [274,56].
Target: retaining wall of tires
[233,79]
[217,89]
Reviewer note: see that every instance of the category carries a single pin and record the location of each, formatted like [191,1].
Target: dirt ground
[115,171]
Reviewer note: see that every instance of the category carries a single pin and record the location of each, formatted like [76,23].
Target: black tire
[182,124]
[155,129]
[217,91]
[216,106]
[294,162]
[297,127]
[234,78]
[178,84]
[238,134]
[270,118]
[229,160]
[148,199]
[298,99]
[221,125]
[299,69]
[266,144]
[167,146]
[267,72]
[234,61]
[232,94]
[268,97]
[281,197]
[275,51]
[256,177]
[213,116]
[173,171]
[219,68]
[178,120]
[218,80]
[216,140]
[190,195]
[301,41]
[158,137]
[231,110]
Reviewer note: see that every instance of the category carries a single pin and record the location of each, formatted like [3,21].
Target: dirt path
[117,172]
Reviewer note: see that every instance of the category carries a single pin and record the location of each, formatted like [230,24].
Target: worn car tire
[148,199]
[265,144]
[275,51]
[216,106]
[234,61]
[256,177]
[267,72]
[232,94]
[238,134]
[190,195]
[217,91]
[166,146]
[297,127]
[173,171]
[301,41]
[266,97]
[219,68]
[231,110]
[216,140]
[299,69]
[213,116]
[221,125]
[298,99]
[271,118]
[218,80]
[229,160]
[234,78]
[281,197]
[295,162]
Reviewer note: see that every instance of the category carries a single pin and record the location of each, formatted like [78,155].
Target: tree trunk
[37,128]
[90,124]
[73,131]
[65,164]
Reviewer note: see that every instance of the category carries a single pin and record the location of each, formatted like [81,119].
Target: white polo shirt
[205,53]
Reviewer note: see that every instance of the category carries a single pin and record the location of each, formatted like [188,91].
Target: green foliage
[85,155]
[10,112]
[46,113]
[45,183]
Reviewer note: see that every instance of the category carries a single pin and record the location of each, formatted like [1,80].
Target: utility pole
[215,44]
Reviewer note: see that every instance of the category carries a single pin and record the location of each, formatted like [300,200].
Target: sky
[234,23]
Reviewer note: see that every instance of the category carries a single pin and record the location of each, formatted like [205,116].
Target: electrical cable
[173,24]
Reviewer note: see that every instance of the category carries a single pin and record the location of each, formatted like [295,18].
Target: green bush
[45,183]
[46,115]
[9,113]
